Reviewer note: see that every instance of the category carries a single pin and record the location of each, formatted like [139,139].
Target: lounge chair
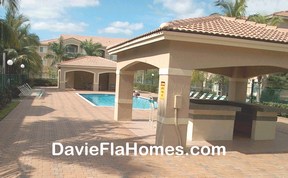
[203,96]
[191,93]
[216,97]
[195,95]
[223,98]
[209,97]
[26,90]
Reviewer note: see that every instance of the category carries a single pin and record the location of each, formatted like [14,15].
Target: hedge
[42,82]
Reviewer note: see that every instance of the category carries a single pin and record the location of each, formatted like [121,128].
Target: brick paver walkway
[27,133]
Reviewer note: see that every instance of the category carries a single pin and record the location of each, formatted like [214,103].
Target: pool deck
[62,116]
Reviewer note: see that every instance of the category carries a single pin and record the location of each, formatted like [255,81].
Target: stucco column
[62,79]
[237,89]
[176,82]
[96,82]
[123,96]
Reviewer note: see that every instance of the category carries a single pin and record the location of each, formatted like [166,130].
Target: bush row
[278,105]
[42,82]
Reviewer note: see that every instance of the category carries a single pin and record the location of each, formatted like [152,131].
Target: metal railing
[9,80]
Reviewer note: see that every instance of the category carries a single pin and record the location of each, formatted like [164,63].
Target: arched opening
[107,81]
[79,80]
[144,118]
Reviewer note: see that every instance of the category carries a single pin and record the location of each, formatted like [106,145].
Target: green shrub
[42,82]
[270,95]
[278,105]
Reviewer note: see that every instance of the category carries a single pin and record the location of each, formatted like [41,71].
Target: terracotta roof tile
[96,39]
[49,41]
[222,26]
[230,27]
[281,13]
[89,61]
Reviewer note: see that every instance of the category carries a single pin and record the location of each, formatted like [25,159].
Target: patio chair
[203,96]
[195,95]
[223,98]
[191,93]
[216,97]
[26,90]
[209,97]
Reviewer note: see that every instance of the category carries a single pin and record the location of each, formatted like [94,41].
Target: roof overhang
[198,38]
[86,67]
[136,43]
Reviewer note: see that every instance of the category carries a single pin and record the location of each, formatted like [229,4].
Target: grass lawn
[8,108]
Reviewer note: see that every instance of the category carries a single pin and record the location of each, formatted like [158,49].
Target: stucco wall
[84,75]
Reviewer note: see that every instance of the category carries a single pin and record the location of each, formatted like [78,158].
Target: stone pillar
[96,82]
[62,83]
[170,84]
[237,89]
[123,96]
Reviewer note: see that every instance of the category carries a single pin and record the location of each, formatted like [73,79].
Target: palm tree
[5,34]
[232,9]
[22,42]
[274,20]
[10,4]
[92,49]
[59,52]
[58,49]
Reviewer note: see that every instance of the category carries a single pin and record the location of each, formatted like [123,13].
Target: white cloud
[52,8]
[120,27]
[60,26]
[183,8]
[56,11]
[266,7]
[83,3]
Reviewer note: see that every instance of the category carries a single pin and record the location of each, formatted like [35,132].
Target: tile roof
[96,39]
[230,27]
[216,25]
[49,41]
[89,61]
[281,13]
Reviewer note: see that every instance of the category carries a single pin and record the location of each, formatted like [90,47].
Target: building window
[113,57]
[43,49]
[72,49]
[102,53]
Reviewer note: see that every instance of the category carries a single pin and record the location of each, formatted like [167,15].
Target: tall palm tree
[6,34]
[10,4]
[232,9]
[22,43]
[92,49]
[59,52]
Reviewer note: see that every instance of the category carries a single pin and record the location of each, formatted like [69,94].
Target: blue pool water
[109,100]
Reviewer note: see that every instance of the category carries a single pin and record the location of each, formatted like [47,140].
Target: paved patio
[27,133]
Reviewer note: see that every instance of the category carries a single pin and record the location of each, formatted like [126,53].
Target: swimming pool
[109,100]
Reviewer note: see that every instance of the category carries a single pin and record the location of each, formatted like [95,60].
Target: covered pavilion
[236,48]
[88,73]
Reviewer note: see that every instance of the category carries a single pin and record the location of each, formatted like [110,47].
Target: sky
[120,18]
